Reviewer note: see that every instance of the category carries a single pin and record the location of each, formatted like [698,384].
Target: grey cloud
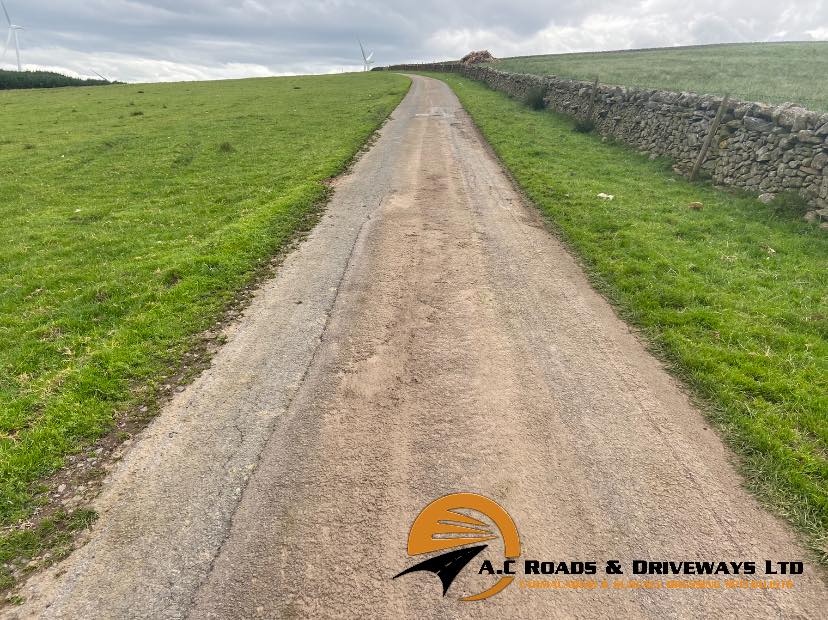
[186,39]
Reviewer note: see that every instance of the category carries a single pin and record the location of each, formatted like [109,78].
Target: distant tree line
[42,79]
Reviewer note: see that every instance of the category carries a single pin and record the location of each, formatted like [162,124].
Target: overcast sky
[152,40]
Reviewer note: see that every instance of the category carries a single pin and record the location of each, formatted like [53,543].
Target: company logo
[446,524]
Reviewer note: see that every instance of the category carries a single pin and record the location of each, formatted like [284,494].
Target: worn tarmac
[430,336]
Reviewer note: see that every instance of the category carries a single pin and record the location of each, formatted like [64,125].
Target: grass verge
[132,217]
[733,295]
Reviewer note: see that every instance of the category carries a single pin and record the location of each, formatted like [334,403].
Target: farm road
[430,336]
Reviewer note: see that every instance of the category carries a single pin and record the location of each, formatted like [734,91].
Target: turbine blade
[8,40]
[362,49]
[370,56]
[17,49]
[8,19]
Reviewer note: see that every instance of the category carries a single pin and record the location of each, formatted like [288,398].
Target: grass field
[733,296]
[131,215]
[770,72]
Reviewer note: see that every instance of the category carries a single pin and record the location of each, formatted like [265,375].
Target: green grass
[131,215]
[770,72]
[52,538]
[734,297]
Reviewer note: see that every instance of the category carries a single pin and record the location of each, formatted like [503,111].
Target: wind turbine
[13,30]
[366,60]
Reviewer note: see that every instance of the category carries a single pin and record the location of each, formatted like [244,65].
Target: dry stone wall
[759,147]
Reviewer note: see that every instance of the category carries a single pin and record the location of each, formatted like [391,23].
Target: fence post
[592,97]
[714,128]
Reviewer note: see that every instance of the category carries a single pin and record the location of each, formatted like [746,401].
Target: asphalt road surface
[429,337]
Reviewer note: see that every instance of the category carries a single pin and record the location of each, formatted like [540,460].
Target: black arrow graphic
[446,565]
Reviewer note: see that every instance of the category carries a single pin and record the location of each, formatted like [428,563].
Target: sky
[167,40]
